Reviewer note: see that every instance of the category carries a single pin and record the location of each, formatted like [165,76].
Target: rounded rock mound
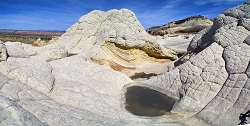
[117,39]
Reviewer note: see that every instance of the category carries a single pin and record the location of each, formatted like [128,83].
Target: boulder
[19,50]
[51,52]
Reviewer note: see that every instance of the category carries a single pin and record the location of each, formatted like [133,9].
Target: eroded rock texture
[116,37]
[213,83]
[60,85]
[63,83]
[188,25]
[3,53]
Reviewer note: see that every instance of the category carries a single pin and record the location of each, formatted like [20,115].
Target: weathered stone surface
[240,106]
[239,12]
[3,52]
[202,77]
[13,114]
[169,86]
[214,80]
[51,52]
[17,49]
[225,99]
[116,38]
[197,43]
[59,85]
[178,43]
[248,71]
[237,58]
[188,25]
[118,26]
[74,86]
[209,35]
[245,23]
[231,35]
[247,40]
[223,20]
[80,97]
[35,73]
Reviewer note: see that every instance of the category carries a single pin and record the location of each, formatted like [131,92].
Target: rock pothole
[143,101]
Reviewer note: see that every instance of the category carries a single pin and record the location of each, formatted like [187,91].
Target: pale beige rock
[116,38]
[214,80]
[92,87]
[3,52]
[13,114]
[35,73]
[19,50]
[51,52]
[78,97]
[59,85]
[189,25]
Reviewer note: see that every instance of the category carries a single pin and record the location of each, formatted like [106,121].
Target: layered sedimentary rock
[188,25]
[60,85]
[178,34]
[116,38]
[63,83]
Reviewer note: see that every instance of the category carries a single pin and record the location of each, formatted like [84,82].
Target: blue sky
[61,14]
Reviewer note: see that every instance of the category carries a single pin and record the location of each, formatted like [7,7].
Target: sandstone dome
[117,39]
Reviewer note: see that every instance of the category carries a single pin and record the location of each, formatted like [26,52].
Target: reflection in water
[143,101]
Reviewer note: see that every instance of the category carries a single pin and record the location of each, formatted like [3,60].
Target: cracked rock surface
[3,52]
[213,83]
[60,85]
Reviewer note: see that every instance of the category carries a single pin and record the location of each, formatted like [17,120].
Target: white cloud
[165,13]
[171,4]
[203,2]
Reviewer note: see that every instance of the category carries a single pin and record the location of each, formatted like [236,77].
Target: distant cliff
[191,24]
[28,36]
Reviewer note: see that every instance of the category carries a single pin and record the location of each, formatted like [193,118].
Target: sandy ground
[178,43]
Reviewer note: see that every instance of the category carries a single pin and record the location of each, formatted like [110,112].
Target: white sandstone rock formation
[115,26]
[59,85]
[189,25]
[116,38]
[3,52]
[17,49]
[213,82]
[13,114]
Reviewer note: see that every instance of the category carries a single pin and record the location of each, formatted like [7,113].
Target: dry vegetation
[28,37]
